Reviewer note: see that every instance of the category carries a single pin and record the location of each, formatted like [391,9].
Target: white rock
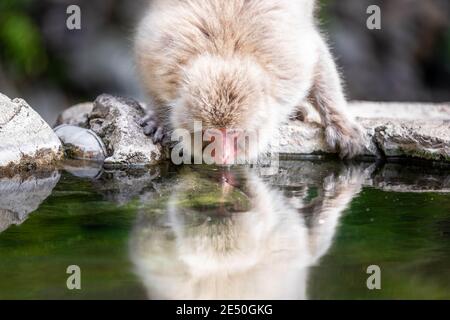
[300,138]
[25,138]
[80,143]
[397,110]
[77,115]
[424,139]
[395,134]
[116,121]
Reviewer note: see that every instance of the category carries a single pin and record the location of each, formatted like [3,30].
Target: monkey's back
[278,34]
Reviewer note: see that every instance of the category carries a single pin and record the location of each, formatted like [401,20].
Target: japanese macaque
[253,241]
[247,65]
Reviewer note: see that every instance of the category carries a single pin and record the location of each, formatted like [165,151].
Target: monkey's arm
[324,215]
[155,126]
[327,97]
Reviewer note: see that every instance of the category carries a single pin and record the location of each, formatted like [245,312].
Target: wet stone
[81,144]
[26,140]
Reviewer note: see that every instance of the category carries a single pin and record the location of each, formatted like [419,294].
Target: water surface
[305,230]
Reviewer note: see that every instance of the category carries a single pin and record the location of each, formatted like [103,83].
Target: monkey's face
[227,103]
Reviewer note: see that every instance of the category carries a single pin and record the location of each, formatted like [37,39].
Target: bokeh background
[53,68]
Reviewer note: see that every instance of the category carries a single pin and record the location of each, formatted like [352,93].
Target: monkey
[240,64]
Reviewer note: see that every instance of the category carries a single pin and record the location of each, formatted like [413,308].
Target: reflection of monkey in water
[240,64]
[263,251]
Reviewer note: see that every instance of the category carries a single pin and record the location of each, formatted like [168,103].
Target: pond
[305,229]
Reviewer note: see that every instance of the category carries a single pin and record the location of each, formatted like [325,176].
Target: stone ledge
[422,139]
[393,130]
[405,130]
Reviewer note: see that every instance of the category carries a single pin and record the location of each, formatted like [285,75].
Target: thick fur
[241,64]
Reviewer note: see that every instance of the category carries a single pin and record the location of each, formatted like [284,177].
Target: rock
[20,196]
[80,143]
[110,125]
[398,133]
[26,140]
[117,122]
[424,139]
[297,137]
[77,115]
[404,111]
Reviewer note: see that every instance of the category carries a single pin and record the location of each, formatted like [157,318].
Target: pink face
[226,146]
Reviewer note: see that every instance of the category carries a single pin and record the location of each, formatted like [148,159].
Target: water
[305,230]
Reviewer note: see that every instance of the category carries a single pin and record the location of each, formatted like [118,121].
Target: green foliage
[20,38]
[324,17]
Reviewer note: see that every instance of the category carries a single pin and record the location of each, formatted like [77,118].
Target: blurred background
[53,68]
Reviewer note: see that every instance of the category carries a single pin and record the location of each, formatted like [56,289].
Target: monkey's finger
[146,120]
[158,136]
[150,129]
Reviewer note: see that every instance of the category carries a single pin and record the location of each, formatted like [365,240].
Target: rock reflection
[233,234]
[121,187]
[21,195]
[83,168]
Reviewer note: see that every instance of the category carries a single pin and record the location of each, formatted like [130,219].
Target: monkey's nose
[226,148]
[229,147]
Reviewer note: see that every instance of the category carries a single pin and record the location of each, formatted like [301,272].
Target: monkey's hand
[348,138]
[305,112]
[153,129]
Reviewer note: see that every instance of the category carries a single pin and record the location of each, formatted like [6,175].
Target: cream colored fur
[241,64]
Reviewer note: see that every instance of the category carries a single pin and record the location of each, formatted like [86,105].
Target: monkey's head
[230,100]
